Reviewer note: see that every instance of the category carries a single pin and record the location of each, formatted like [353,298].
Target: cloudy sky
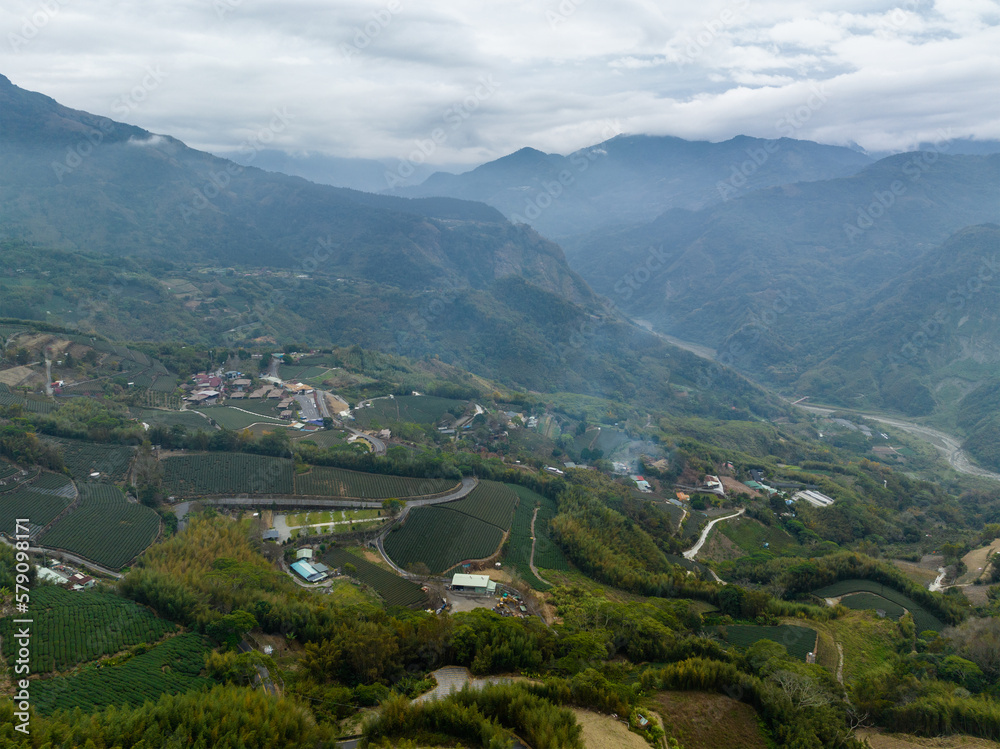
[375,79]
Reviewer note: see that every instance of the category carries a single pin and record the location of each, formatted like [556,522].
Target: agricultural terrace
[394,590]
[158,417]
[923,619]
[7,470]
[799,641]
[491,502]
[34,404]
[442,536]
[235,420]
[83,458]
[873,602]
[39,507]
[417,409]
[76,627]
[301,372]
[105,528]
[547,554]
[171,667]
[323,481]
[227,474]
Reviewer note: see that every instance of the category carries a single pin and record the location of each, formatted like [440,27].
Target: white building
[816,499]
[474,584]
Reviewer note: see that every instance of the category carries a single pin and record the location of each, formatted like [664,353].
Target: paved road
[468,484]
[950,446]
[309,410]
[66,556]
[378,444]
[693,551]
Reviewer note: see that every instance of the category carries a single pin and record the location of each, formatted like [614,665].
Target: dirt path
[531,560]
[840,664]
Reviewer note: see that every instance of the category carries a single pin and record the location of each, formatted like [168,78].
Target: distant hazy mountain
[430,277]
[631,179]
[368,175]
[780,280]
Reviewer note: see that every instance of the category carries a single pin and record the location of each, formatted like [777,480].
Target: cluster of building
[205,389]
[66,577]
[310,570]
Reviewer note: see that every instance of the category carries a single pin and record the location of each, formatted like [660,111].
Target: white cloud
[372,77]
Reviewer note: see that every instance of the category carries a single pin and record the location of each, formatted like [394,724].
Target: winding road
[950,446]
[693,551]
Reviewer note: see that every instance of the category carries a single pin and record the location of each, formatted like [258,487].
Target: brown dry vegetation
[699,720]
[604,732]
[879,740]
[975,562]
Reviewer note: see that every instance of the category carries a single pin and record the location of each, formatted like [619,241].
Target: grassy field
[797,640]
[867,642]
[329,516]
[394,590]
[878,740]
[155,416]
[325,438]
[700,720]
[923,619]
[751,535]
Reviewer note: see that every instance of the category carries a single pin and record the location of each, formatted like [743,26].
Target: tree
[231,628]
[393,506]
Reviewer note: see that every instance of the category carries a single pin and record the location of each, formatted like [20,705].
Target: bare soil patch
[975,562]
[700,720]
[15,375]
[604,732]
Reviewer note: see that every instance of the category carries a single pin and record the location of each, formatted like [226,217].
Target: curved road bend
[950,446]
[693,551]
[65,555]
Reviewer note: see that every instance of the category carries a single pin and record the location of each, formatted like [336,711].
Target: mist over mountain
[631,179]
[424,277]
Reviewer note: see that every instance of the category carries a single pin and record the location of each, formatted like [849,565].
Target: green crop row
[440,538]
[799,641]
[323,481]
[395,590]
[227,474]
[923,619]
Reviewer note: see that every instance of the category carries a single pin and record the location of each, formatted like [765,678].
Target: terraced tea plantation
[872,602]
[323,481]
[235,419]
[76,627]
[418,409]
[442,536]
[83,458]
[105,528]
[171,667]
[394,590]
[39,507]
[226,474]
[922,618]
[547,554]
[799,641]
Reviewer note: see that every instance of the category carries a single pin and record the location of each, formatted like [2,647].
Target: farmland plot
[923,619]
[171,667]
[83,458]
[418,409]
[227,474]
[323,481]
[105,528]
[235,420]
[441,538]
[547,554]
[394,590]
[491,502]
[76,627]
[799,641]
[40,508]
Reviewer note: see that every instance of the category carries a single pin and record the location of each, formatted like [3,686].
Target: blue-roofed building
[307,572]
